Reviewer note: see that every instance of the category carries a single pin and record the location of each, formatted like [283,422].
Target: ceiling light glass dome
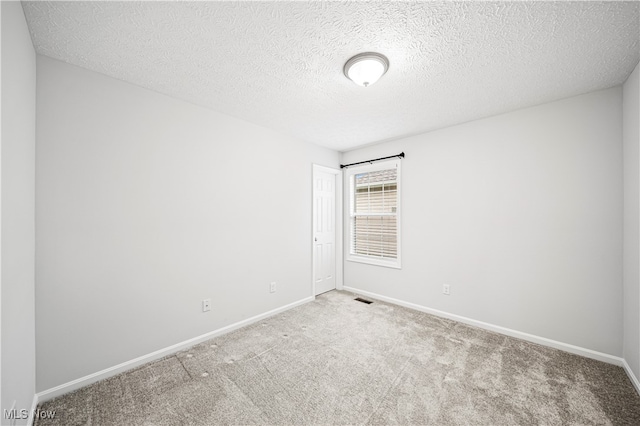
[366,68]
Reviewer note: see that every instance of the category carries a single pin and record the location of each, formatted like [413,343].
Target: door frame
[338,238]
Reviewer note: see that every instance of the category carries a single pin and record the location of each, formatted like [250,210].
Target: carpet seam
[391,386]
[184,368]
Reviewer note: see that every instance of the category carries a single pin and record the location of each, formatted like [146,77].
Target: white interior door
[324,231]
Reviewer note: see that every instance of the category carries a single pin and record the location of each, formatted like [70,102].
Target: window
[375,214]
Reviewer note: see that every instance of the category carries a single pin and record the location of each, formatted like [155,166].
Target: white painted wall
[521,214]
[17,211]
[631,291]
[146,206]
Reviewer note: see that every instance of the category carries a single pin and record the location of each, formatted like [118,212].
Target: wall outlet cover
[206,305]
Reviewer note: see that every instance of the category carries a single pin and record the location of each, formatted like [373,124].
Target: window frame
[351,172]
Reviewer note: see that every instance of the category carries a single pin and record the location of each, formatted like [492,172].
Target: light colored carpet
[339,361]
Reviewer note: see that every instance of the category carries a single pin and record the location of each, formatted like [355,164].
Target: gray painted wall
[146,206]
[631,131]
[17,219]
[521,214]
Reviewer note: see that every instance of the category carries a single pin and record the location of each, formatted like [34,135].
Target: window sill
[394,264]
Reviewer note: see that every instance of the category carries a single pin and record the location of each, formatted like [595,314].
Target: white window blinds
[374,212]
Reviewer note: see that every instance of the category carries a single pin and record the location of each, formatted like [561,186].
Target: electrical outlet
[272,287]
[206,305]
[445,289]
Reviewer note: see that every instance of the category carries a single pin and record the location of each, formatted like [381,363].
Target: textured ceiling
[279,64]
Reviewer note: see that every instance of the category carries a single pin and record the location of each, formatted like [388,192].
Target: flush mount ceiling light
[364,69]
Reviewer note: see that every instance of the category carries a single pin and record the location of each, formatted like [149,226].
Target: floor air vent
[359,299]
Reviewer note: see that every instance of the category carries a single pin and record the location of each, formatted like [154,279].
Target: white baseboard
[632,376]
[34,407]
[128,365]
[600,356]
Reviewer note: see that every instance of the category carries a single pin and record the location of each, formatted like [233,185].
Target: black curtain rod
[401,155]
